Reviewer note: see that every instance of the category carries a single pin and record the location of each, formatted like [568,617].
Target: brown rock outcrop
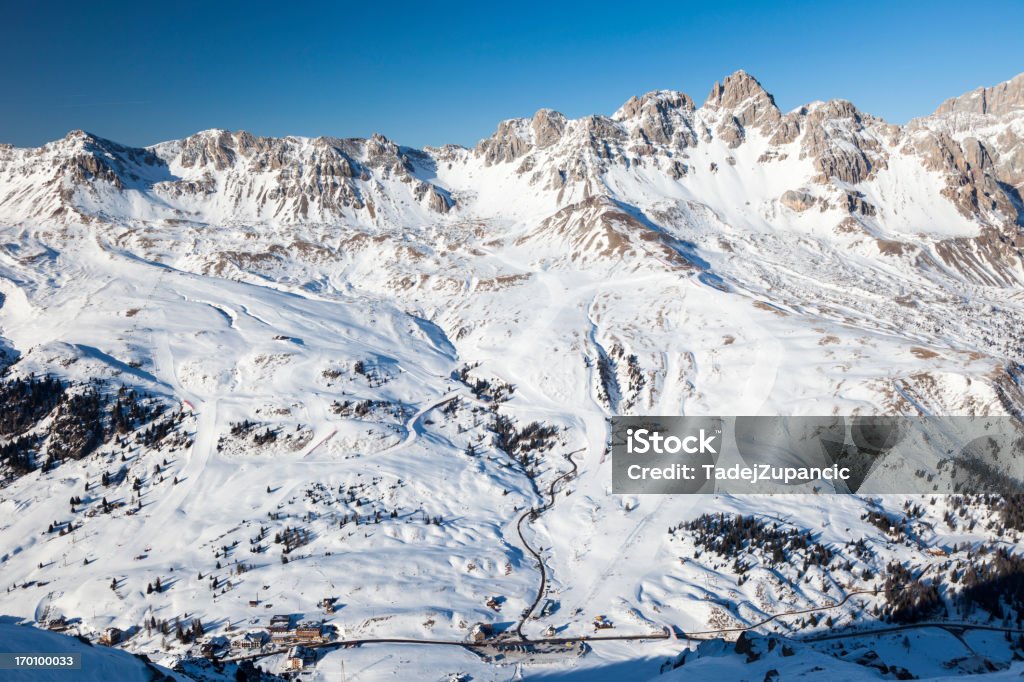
[996,100]
[797,200]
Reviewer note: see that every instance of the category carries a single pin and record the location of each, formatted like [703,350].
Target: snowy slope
[314,316]
[97,663]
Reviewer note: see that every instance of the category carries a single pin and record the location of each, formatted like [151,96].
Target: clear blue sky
[429,73]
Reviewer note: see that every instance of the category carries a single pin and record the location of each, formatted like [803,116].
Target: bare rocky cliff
[990,121]
[996,100]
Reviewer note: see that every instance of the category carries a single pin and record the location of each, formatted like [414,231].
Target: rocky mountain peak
[656,100]
[995,117]
[81,141]
[214,147]
[741,103]
[78,135]
[548,126]
[84,158]
[996,100]
[662,117]
[509,142]
[380,149]
[735,90]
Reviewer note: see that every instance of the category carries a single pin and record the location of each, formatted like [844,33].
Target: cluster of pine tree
[524,445]
[885,522]
[153,625]
[243,428]
[1005,512]
[451,408]
[636,374]
[159,430]
[83,419]
[358,409]
[292,538]
[249,429]
[995,585]
[487,390]
[375,517]
[375,375]
[190,633]
[132,409]
[734,536]
[608,384]
[247,672]
[532,438]
[23,402]
[909,598]
[78,428]
[1009,509]
[18,454]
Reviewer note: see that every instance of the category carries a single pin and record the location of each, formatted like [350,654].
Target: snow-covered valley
[351,369]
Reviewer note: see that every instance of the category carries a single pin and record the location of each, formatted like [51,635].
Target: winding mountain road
[530,516]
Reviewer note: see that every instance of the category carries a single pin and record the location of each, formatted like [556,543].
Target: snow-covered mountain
[313,332]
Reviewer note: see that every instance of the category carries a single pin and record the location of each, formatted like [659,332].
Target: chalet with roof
[251,641]
[310,632]
[300,658]
[280,623]
[281,630]
[481,632]
[111,636]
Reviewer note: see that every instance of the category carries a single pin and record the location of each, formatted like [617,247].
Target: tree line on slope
[76,420]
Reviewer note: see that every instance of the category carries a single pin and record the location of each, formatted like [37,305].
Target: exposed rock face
[97,159]
[438,202]
[797,200]
[993,258]
[996,100]
[855,203]
[44,182]
[844,144]
[748,102]
[216,148]
[598,230]
[301,179]
[604,136]
[973,184]
[548,127]
[662,117]
[508,143]
[380,152]
[995,118]
[243,175]
[789,127]
[743,104]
